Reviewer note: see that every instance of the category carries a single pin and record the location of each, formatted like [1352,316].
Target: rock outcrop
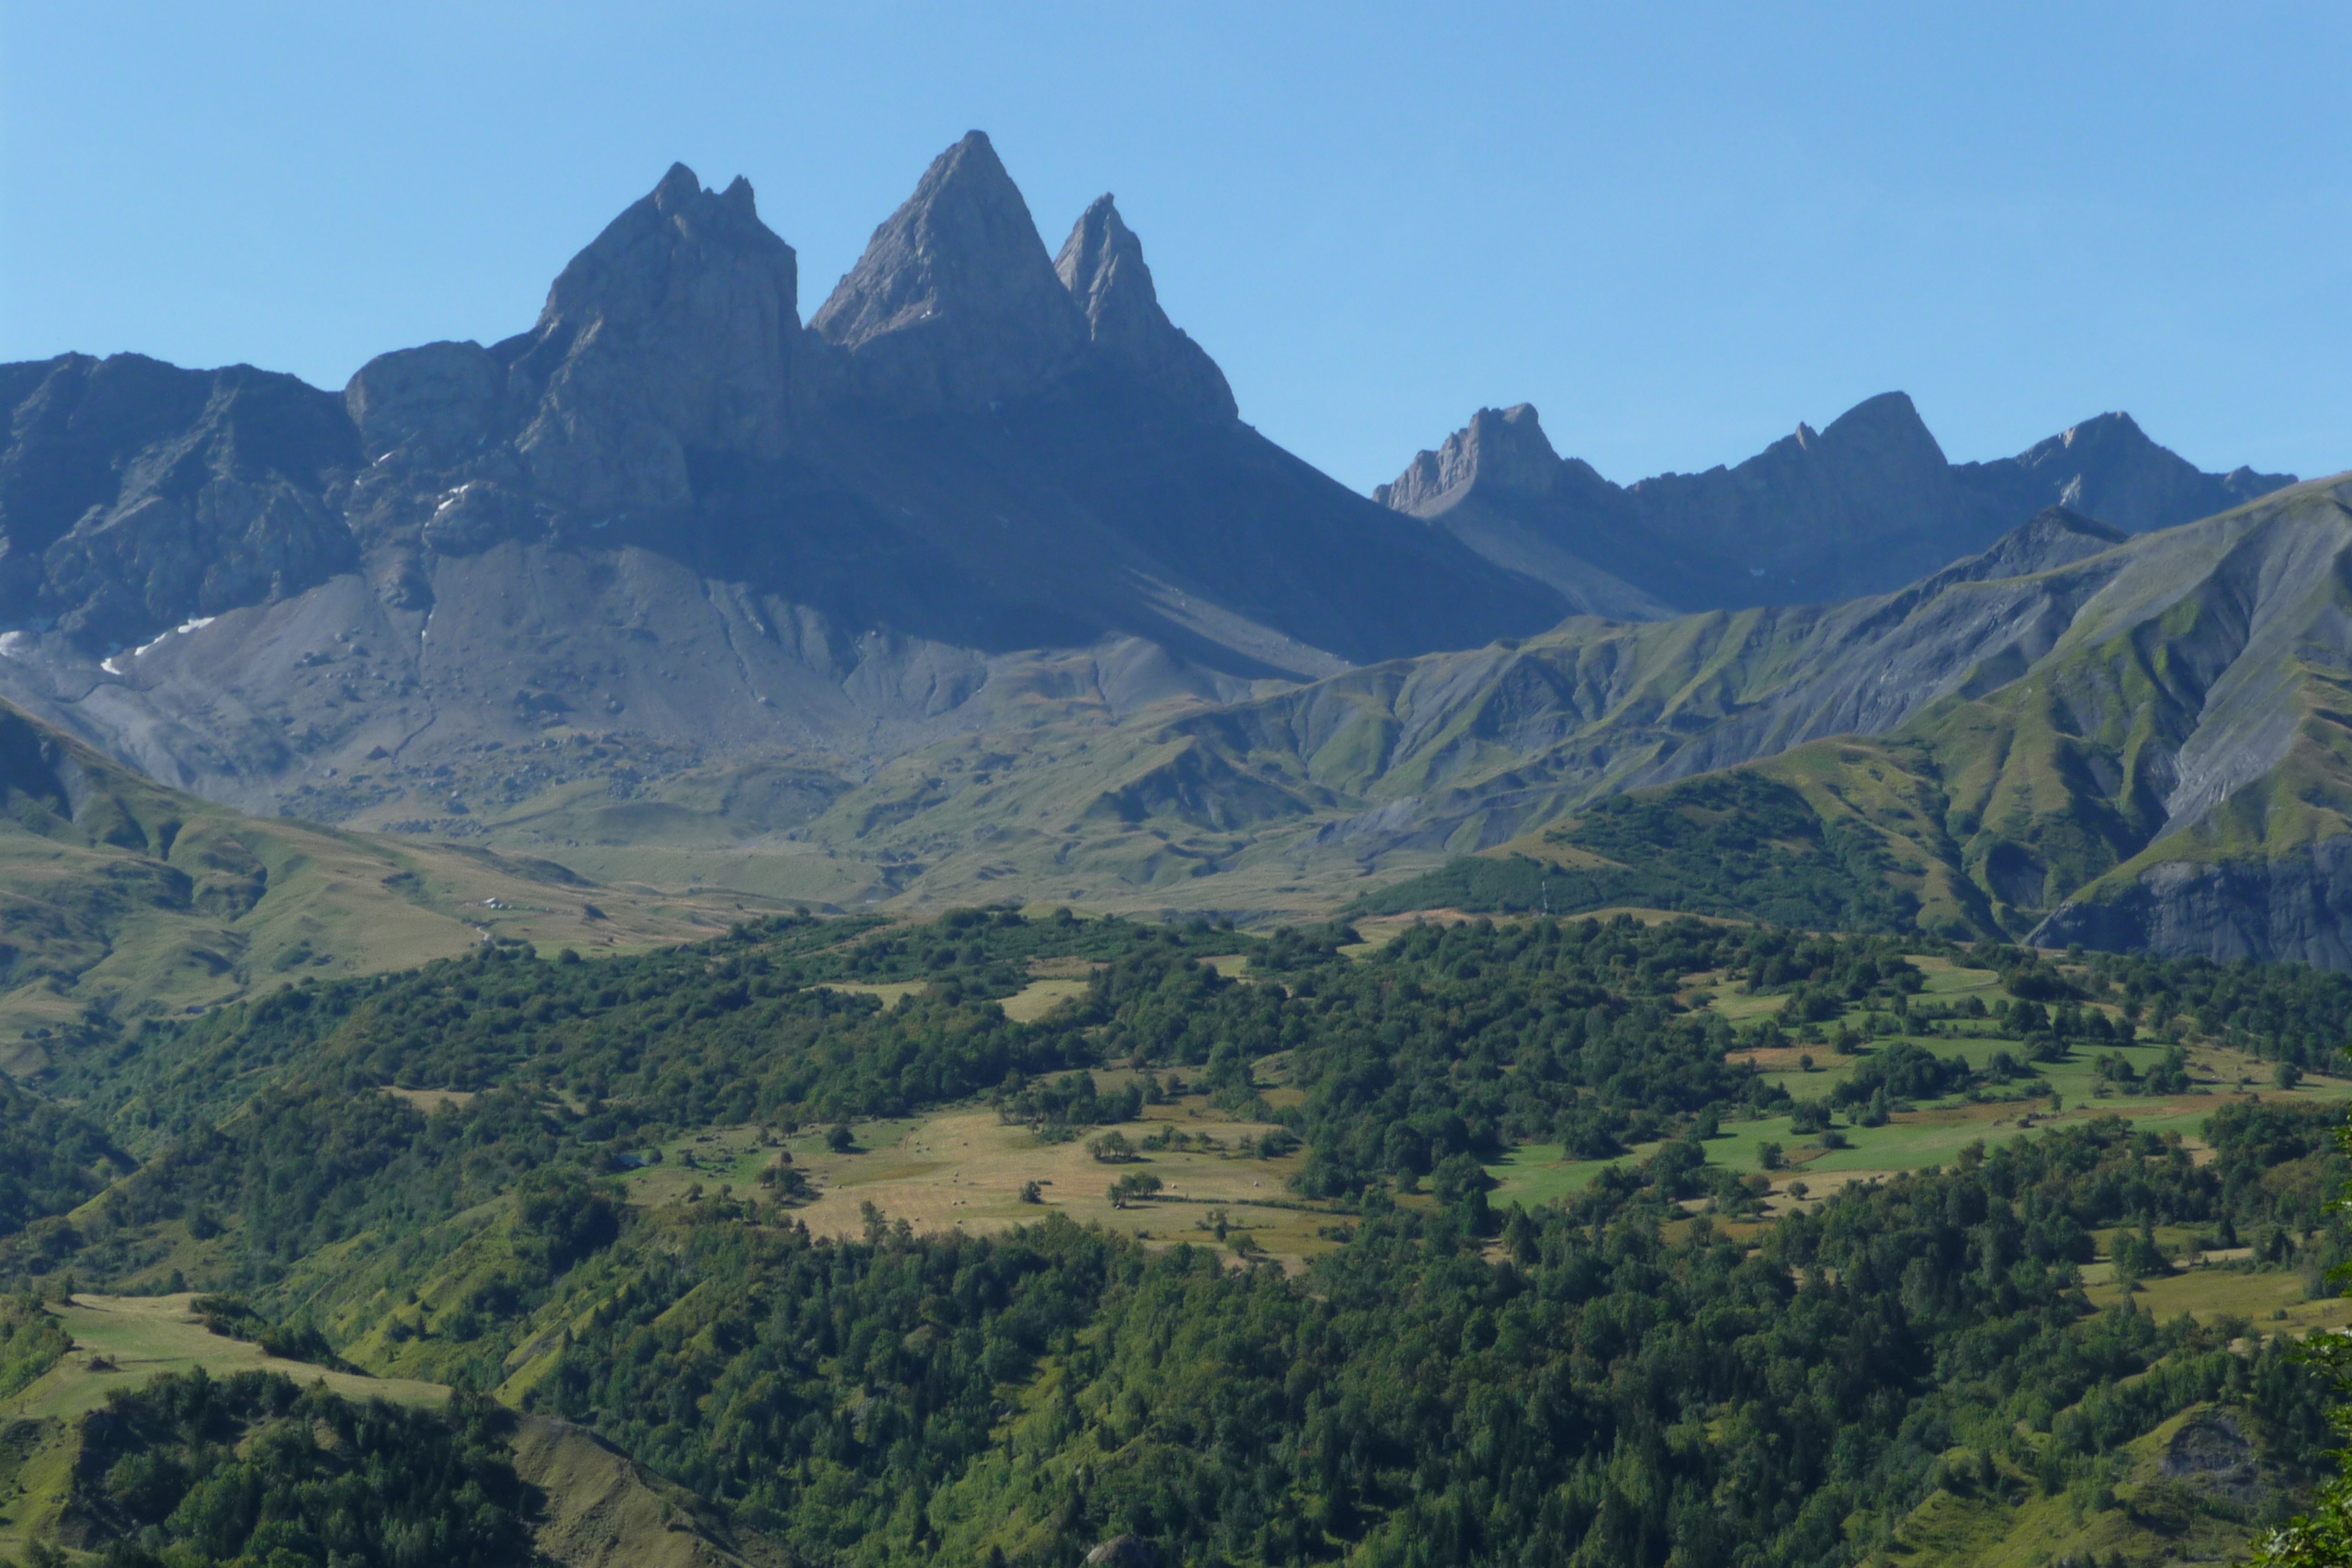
[1503,452]
[134,495]
[437,400]
[2053,537]
[1101,264]
[674,331]
[2294,907]
[2108,467]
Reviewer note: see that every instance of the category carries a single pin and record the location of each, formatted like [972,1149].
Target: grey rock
[675,330]
[1101,264]
[1503,450]
[1492,486]
[955,305]
[1124,1552]
[2109,467]
[134,495]
[2297,906]
[2210,1454]
[441,399]
[2055,536]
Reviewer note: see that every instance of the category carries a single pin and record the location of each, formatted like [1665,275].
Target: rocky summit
[1861,507]
[673,512]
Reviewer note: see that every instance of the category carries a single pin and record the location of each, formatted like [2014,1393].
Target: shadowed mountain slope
[1859,507]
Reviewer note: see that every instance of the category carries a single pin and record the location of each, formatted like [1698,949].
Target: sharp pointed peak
[1101,264]
[1101,216]
[955,300]
[678,185]
[969,161]
[1101,247]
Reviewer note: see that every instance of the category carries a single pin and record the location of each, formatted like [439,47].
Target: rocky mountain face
[673,513]
[135,495]
[1859,507]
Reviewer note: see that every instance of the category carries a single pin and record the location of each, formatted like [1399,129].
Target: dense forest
[1648,1370]
[1734,843]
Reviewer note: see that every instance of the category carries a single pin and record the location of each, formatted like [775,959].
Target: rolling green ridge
[119,897]
[2185,725]
[2145,727]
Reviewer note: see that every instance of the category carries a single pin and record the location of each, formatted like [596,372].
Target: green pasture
[1931,1132]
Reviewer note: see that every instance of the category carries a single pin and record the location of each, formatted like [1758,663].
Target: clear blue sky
[1677,238]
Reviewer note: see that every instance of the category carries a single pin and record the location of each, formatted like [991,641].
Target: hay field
[141,1337]
[965,1168]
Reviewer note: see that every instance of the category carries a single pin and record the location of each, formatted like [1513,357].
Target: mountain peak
[2116,425]
[1101,264]
[2053,537]
[674,328]
[677,188]
[954,303]
[1890,419]
[2109,466]
[1502,451]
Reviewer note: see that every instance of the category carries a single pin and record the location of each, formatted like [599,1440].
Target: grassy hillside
[121,898]
[2184,729]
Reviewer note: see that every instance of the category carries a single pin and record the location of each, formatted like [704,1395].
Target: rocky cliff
[2292,907]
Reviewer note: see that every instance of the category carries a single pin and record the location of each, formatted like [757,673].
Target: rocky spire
[673,328]
[954,303]
[1503,451]
[1102,266]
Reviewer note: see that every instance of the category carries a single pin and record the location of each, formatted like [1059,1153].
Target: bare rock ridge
[672,505]
[134,494]
[1496,485]
[2108,467]
[1859,507]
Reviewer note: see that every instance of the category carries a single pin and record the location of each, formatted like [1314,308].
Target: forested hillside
[510,1175]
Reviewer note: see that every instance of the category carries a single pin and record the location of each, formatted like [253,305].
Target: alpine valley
[702,938]
[976,586]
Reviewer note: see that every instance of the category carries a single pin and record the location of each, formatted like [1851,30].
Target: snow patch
[182,629]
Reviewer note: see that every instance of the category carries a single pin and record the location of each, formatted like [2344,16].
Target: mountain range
[975,585]
[1861,507]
